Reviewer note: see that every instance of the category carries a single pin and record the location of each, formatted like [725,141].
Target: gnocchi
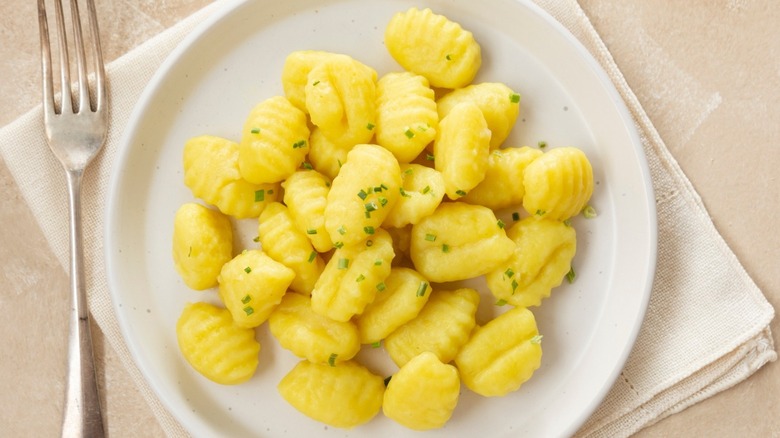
[558,184]
[503,184]
[461,149]
[202,243]
[422,190]
[306,194]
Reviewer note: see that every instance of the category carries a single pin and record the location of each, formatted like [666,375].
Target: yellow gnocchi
[558,184]
[202,243]
[274,141]
[344,395]
[398,300]
[431,45]
[499,105]
[441,327]
[541,259]
[422,190]
[312,336]
[341,100]
[352,277]
[306,194]
[423,394]
[211,172]
[251,285]
[442,250]
[281,240]
[501,355]
[406,116]
[503,184]
[215,346]
[362,195]
[461,149]
[402,240]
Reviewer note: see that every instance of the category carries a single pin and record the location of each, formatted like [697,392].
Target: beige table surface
[707,73]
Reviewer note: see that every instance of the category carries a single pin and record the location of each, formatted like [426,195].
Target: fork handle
[82,416]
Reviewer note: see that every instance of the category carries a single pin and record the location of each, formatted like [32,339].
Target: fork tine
[97,54]
[48,80]
[83,87]
[67,97]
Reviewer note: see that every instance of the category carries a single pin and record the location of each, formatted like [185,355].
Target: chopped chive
[426,189]
[445,248]
[338,245]
[501,303]
[249,310]
[378,262]
[421,289]
[247,269]
[368,230]
[370,207]
[381,287]
[306,165]
[404,194]
[589,212]
[270,191]
[430,157]
[409,171]
[460,193]
[190,252]
[515,216]
[332,359]
[312,256]
[542,144]
[370,126]
[316,83]
[514,286]
[448,57]
[255,130]
[376,344]
[299,144]
[567,222]
[537,339]
[343,263]
[260,195]
[342,230]
[383,201]
[369,242]
[500,224]
[340,163]
[362,194]
[514,98]
[430,237]
[570,275]
[360,278]
[409,133]
[246,299]
[509,273]
[540,212]
[311,231]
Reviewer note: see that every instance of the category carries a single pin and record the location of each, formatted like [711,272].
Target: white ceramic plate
[234,60]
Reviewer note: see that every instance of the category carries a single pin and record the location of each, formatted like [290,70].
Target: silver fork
[76,131]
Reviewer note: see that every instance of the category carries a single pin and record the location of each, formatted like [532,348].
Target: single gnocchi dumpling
[211,172]
[503,184]
[422,190]
[296,69]
[202,243]
[541,259]
[362,195]
[251,285]
[461,149]
[441,327]
[406,117]
[341,100]
[501,355]
[423,394]
[499,105]
[352,277]
[312,336]
[215,346]
[306,194]
[398,300]
[281,240]
[326,157]
[459,241]
[431,45]
[344,395]
[274,141]
[558,184]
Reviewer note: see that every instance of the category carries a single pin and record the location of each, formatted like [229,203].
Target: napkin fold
[707,324]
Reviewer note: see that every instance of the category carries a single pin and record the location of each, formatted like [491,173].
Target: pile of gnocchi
[374,196]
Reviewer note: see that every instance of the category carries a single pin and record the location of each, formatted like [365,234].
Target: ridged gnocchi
[431,45]
[306,194]
[442,251]
[362,195]
[423,394]
[310,335]
[352,277]
[558,184]
[422,190]
[542,257]
[441,327]
[398,300]
[406,116]
[251,285]
[326,157]
[503,184]
[501,355]
[461,149]
[202,243]
[274,141]
[345,395]
[215,346]
[212,173]
[499,105]
[281,240]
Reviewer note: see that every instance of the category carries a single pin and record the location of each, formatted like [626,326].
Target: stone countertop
[705,72]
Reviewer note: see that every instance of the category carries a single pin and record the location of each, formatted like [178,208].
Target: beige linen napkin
[707,325]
